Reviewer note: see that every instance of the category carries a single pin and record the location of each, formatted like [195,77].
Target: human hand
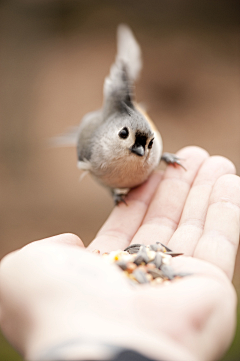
[53,290]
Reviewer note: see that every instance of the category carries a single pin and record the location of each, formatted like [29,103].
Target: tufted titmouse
[119,144]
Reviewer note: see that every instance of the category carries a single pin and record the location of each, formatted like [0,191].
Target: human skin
[55,290]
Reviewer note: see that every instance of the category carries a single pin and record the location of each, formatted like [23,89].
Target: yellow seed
[149,277]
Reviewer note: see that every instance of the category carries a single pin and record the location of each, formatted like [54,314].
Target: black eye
[150,144]
[123,133]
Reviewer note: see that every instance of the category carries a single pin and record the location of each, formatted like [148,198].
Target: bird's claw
[119,198]
[170,158]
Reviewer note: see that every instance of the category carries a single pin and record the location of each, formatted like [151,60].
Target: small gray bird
[119,144]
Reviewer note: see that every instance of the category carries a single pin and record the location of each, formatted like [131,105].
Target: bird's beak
[138,149]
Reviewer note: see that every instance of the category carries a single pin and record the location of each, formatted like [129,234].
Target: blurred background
[54,58]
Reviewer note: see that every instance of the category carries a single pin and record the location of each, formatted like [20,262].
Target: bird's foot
[119,196]
[170,158]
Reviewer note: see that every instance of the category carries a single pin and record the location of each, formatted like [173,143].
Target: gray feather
[129,51]
[68,139]
[118,85]
[86,134]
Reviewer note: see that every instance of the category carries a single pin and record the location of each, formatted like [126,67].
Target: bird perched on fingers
[119,144]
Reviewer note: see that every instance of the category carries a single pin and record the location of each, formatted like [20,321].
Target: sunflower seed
[143,253]
[167,271]
[182,274]
[157,260]
[155,273]
[132,247]
[140,276]
[122,264]
[138,260]
[156,247]
[167,249]
[173,254]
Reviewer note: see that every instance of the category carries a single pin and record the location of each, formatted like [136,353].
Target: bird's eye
[150,144]
[123,133]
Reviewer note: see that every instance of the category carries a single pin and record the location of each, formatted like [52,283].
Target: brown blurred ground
[54,57]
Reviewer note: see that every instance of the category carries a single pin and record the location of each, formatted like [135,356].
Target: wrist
[102,339]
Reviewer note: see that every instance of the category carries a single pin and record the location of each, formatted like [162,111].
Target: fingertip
[229,184]
[192,158]
[225,162]
[192,150]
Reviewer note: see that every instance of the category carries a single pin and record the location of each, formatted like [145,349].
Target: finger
[193,217]
[220,238]
[65,238]
[166,207]
[124,220]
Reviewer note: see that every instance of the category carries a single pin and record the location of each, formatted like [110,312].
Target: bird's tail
[128,51]
[118,85]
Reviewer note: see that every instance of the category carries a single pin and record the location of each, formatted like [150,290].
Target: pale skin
[55,290]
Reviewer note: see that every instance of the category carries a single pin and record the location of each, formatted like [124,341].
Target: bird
[119,145]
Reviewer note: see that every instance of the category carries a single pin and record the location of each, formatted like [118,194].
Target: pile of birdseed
[145,264]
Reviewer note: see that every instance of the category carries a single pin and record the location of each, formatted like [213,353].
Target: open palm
[195,212]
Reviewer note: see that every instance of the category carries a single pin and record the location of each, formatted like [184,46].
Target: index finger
[124,221]
[165,210]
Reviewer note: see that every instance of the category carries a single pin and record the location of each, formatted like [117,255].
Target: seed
[157,281]
[133,250]
[157,260]
[131,267]
[166,259]
[143,252]
[151,254]
[145,264]
[173,254]
[138,260]
[135,246]
[167,271]
[143,268]
[182,274]
[155,273]
[150,266]
[96,251]
[105,254]
[149,277]
[167,249]
[156,247]
[122,264]
[140,276]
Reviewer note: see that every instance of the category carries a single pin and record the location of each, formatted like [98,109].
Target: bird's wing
[87,133]
[81,136]
[123,73]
